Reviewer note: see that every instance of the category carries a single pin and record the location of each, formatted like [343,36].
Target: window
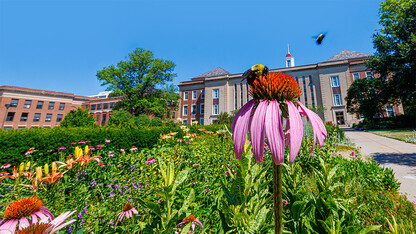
[59,118]
[185,122]
[215,109]
[215,93]
[10,116]
[390,111]
[23,117]
[99,106]
[201,108]
[93,106]
[51,105]
[241,94]
[103,119]
[28,103]
[337,100]
[361,116]
[61,106]
[369,74]
[235,96]
[185,95]
[288,63]
[201,121]
[248,96]
[185,110]
[355,76]
[193,109]
[21,127]
[105,106]
[14,102]
[203,94]
[7,128]
[112,105]
[173,115]
[193,121]
[36,118]
[48,118]
[334,81]
[194,92]
[39,105]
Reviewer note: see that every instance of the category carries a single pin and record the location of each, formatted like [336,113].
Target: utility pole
[5,115]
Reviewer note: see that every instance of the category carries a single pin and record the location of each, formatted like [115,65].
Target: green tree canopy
[78,118]
[142,81]
[395,55]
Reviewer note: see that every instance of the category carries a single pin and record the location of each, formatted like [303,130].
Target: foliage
[226,118]
[320,109]
[142,82]
[119,118]
[395,56]
[78,118]
[363,97]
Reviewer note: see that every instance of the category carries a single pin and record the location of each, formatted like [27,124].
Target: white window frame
[201,121]
[185,122]
[213,109]
[185,95]
[355,78]
[335,100]
[183,110]
[369,74]
[193,109]
[215,93]
[194,94]
[201,108]
[202,93]
[334,81]
[392,110]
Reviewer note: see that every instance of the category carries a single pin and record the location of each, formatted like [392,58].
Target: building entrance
[340,117]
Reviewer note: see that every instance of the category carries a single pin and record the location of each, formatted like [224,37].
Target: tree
[120,118]
[395,55]
[363,97]
[78,118]
[142,81]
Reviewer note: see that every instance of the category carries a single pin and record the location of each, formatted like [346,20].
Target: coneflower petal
[23,223]
[257,131]
[10,225]
[240,126]
[295,128]
[274,132]
[319,131]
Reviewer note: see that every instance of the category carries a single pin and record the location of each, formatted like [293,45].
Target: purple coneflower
[87,141]
[81,142]
[100,146]
[6,165]
[107,141]
[190,219]
[133,148]
[150,161]
[73,143]
[61,148]
[128,211]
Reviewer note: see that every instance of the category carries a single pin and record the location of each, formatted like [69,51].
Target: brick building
[25,108]
[323,84]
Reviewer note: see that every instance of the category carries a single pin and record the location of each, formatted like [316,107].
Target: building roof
[347,54]
[288,55]
[216,72]
[40,91]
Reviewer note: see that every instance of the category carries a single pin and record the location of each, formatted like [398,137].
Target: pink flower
[226,137]
[150,161]
[61,148]
[261,116]
[110,155]
[285,202]
[133,148]
[100,146]
[227,173]
[122,150]
[107,141]
[190,219]
[81,142]
[73,143]
[6,165]
[87,141]
[128,211]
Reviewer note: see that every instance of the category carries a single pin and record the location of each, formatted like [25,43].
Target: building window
[361,116]
[173,115]
[334,81]
[23,117]
[7,128]
[99,106]
[36,118]
[103,119]
[21,127]
[235,96]
[215,93]
[105,106]
[193,121]
[194,93]
[185,110]
[193,109]
[185,122]
[48,118]
[59,118]
[215,109]
[10,116]
[201,108]
[61,106]
[288,63]
[247,88]
[185,95]
[28,103]
[201,121]
[355,76]
[369,74]
[203,94]
[312,94]
[39,105]
[14,102]
[51,105]
[93,107]
[337,100]
[390,111]
[241,94]
[112,105]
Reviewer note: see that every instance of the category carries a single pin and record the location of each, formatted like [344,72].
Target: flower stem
[277,197]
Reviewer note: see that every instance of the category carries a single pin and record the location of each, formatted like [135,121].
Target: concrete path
[397,155]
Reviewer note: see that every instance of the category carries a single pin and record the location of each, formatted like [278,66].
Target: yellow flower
[22,167]
[46,167]
[54,168]
[27,166]
[38,173]
[86,150]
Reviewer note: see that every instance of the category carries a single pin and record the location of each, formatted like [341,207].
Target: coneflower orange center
[127,207]
[188,219]
[275,85]
[38,228]
[22,208]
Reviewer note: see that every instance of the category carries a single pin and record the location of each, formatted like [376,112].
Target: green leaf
[188,201]
[369,229]
[237,189]
[180,178]
[227,194]
[151,206]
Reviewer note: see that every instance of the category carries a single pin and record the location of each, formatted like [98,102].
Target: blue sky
[60,45]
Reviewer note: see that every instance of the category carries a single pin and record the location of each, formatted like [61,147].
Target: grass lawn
[406,135]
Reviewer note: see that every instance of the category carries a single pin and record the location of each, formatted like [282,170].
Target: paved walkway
[395,154]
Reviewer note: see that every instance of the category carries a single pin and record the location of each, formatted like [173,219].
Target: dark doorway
[340,117]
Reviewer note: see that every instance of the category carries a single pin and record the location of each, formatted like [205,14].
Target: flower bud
[54,168]
[77,152]
[27,166]
[38,173]
[46,167]
[22,167]
[86,150]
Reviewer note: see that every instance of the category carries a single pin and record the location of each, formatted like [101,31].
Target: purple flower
[80,215]
[70,229]
[285,202]
[85,211]
[122,150]
[150,161]
[111,155]
[111,223]
[73,143]
[190,219]
[112,194]
[61,148]
[107,141]
[6,165]
[87,141]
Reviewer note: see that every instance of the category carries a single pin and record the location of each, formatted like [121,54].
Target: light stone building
[323,84]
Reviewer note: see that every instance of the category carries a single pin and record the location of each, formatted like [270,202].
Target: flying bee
[319,38]
[254,72]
